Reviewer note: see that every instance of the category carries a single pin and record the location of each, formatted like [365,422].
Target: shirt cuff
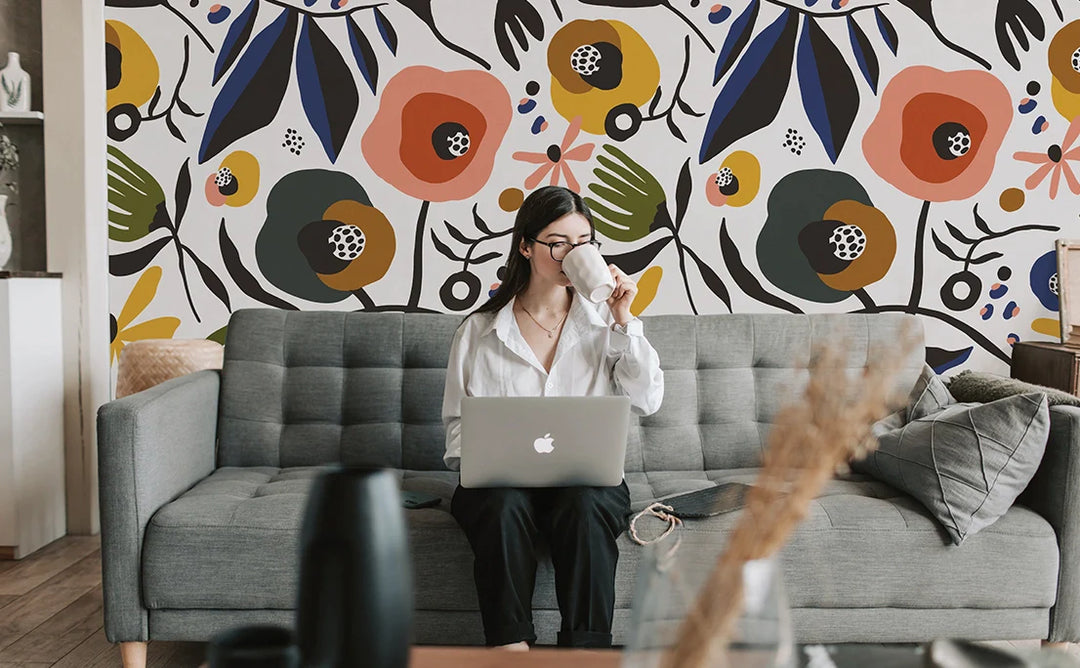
[631,328]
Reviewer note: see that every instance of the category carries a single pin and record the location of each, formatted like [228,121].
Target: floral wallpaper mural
[750,156]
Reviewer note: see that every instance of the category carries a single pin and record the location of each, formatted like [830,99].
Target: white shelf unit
[32,503]
[22,117]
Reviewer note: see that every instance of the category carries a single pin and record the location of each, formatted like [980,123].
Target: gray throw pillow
[967,462]
[986,387]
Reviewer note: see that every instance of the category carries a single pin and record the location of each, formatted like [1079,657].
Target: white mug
[589,273]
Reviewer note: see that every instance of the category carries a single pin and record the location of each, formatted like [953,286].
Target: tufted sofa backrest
[318,387]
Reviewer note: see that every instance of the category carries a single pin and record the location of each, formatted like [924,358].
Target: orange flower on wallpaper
[235,182]
[436,133]
[555,159]
[1054,162]
[736,182]
[124,332]
[1064,73]
[937,134]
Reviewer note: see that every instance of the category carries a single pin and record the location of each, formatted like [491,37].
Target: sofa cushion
[986,387]
[966,463]
[231,543]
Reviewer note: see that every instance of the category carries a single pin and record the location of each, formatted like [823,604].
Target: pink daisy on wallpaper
[1055,161]
[556,159]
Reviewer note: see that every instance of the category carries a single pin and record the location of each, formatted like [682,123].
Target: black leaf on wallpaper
[712,281]
[210,278]
[327,88]
[486,257]
[980,222]
[958,235]
[944,248]
[422,9]
[252,94]
[444,249]
[173,129]
[922,9]
[637,260]
[183,192]
[941,360]
[458,234]
[982,259]
[624,3]
[1057,8]
[1021,17]
[746,281]
[674,129]
[864,53]
[247,283]
[236,39]
[386,30]
[828,90]
[154,100]
[737,38]
[132,262]
[363,54]
[888,32]
[683,188]
[479,222]
[751,97]
[655,100]
[515,17]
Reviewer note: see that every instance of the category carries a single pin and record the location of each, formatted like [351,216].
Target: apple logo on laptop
[544,445]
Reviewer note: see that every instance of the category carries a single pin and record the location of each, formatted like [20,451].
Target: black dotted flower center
[450,140]
[951,141]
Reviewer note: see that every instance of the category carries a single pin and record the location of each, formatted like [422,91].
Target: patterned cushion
[966,463]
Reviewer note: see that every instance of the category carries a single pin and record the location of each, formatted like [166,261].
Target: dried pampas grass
[809,439]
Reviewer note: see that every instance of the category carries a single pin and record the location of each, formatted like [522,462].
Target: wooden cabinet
[1050,364]
[32,512]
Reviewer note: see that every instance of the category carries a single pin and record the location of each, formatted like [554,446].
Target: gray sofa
[203,480]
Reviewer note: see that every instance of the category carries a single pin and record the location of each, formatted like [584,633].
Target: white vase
[5,234]
[14,86]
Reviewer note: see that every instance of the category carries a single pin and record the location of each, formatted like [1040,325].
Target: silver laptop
[543,441]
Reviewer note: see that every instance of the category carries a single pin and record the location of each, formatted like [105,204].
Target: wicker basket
[148,362]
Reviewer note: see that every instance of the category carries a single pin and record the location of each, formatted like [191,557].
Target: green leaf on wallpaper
[219,335]
[629,197]
[134,197]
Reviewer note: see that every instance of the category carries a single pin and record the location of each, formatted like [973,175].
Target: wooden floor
[51,614]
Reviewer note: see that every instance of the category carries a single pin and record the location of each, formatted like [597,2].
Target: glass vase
[667,585]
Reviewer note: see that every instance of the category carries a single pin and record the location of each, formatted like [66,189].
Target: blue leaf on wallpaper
[389,36]
[751,97]
[941,360]
[888,32]
[737,37]
[236,39]
[864,53]
[252,94]
[364,55]
[327,88]
[828,90]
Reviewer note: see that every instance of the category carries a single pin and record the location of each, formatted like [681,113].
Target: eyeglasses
[559,249]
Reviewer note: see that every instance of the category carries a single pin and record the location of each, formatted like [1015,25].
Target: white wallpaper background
[312,154]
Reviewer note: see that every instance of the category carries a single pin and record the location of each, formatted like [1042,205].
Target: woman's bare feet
[515,646]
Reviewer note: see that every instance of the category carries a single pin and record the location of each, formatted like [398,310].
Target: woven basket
[148,362]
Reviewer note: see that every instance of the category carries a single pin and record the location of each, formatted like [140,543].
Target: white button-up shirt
[489,357]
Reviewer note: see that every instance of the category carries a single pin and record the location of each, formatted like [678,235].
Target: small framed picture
[1068,289]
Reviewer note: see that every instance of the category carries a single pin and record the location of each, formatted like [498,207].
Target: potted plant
[9,161]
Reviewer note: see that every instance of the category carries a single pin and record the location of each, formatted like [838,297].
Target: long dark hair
[542,207]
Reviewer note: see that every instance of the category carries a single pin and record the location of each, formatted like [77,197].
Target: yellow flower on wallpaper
[124,332]
[647,286]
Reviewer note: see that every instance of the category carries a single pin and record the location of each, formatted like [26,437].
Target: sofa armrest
[1054,493]
[152,446]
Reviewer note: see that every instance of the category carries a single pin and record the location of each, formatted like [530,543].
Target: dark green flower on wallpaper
[823,238]
[322,239]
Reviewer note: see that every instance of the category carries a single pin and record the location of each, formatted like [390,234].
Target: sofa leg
[1063,646]
[133,654]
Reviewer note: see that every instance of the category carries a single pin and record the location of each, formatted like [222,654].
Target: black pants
[580,524]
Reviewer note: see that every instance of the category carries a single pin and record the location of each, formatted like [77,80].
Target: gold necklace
[550,332]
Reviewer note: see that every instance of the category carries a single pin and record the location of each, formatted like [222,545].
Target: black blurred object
[965,654]
[709,501]
[356,599]
[416,500]
[253,647]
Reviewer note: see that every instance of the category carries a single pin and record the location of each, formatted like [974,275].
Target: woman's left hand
[622,297]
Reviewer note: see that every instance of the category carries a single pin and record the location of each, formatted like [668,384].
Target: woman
[536,337]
